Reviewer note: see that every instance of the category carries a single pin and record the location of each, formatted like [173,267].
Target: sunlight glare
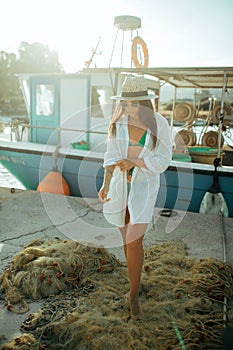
[73,29]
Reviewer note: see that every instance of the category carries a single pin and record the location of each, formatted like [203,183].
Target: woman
[138,149]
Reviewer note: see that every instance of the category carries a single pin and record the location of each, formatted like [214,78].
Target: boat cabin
[72,109]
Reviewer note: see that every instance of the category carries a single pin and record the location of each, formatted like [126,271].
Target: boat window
[45,99]
[101,104]
[26,92]
[97,96]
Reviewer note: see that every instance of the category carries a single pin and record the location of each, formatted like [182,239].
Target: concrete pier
[29,215]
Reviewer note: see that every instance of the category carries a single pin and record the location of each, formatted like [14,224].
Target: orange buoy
[55,183]
[139,41]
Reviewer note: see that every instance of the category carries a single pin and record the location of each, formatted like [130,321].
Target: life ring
[139,41]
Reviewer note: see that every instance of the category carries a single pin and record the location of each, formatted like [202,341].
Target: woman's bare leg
[132,236]
[123,231]
[135,256]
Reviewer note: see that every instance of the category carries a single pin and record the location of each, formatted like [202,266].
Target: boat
[68,118]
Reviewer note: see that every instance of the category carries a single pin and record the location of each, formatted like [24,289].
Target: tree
[37,58]
[32,58]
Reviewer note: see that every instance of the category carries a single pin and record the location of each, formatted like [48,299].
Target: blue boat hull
[83,176]
[185,189]
[182,188]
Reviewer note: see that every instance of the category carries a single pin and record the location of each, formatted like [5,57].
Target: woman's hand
[125,164]
[103,192]
[108,171]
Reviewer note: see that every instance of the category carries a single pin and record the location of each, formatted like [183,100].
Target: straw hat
[210,139]
[227,111]
[134,89]
[185,137]
[184,112]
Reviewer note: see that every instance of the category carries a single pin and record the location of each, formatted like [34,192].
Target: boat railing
[18,131]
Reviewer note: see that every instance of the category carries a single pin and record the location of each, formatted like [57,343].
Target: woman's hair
[145,114]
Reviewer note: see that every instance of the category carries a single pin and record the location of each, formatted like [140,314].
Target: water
[8,180]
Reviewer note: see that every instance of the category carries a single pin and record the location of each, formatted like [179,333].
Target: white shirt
[145,182]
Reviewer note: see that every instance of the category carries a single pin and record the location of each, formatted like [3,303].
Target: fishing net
[182,299]
[44,269]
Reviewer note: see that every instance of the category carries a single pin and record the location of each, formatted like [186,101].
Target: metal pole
[110,62]
[173,107]
[221,114]
[122,47]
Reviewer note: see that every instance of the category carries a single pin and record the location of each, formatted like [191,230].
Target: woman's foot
[135,308]
[127,295]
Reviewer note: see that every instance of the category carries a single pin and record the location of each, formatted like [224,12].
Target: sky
[177,32]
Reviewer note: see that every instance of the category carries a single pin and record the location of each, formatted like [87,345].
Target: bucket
[204,155]
[181,157]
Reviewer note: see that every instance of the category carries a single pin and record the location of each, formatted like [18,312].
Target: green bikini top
[141,142]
